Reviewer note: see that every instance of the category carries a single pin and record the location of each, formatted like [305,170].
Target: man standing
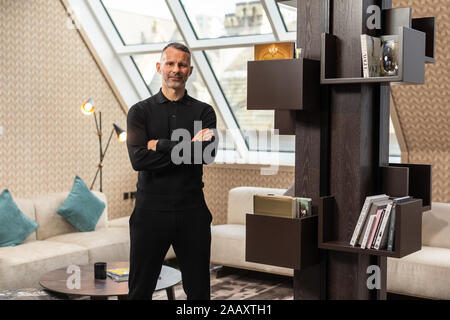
[170,207]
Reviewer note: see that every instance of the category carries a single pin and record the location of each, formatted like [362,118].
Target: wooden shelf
[282,242]
[411,58]
[406,179]
[397,18]
[428,26]
[286,84]
[408,230]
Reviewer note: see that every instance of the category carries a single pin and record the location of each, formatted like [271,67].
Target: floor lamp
[88,108]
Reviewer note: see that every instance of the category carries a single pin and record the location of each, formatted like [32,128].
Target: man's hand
[151,145]
[203,135]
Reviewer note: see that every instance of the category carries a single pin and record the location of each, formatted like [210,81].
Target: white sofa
[425,273]
[56,243]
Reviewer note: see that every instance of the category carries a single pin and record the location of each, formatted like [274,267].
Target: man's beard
[175,84]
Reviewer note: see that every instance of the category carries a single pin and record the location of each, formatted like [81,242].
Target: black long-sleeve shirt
[162,184]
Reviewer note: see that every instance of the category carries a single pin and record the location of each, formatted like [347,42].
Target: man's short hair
[178,46]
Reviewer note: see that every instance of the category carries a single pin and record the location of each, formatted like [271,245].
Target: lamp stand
[98,125]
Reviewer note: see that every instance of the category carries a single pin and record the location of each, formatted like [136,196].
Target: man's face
[174,68]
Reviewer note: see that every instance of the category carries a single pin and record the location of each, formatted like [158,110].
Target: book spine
[390,245]
[361,220]
[367,234]
[382,229]
[374,228]
[365,58]
[380,219]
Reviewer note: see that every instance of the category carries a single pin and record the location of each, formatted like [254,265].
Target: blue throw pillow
[82,208]
[15,227]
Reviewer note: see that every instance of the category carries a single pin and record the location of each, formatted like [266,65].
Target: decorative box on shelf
[287,84]
[282,242]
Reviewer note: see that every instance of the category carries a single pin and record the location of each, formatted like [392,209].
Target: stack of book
[282,206]
[118,275]
[375,228]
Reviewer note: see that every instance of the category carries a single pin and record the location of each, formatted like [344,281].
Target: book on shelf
[277,206]
[371,55]
[367,231]
[379,56]
[282,206]
[391,232]
[304,207]
[375,206]
[275,51]
[363,217]
[382,233]
[119,274]
[375,227]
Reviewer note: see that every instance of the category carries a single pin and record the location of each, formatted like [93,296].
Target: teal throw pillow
[82,208]
[15,226]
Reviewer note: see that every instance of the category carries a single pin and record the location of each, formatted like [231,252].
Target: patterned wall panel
[424,110]
[47,72]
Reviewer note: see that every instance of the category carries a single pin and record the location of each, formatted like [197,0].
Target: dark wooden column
[311,140]
[340,146]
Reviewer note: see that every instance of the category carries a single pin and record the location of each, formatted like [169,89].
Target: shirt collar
[161,98]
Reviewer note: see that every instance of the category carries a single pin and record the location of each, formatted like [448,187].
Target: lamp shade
[88,107]
[121,133]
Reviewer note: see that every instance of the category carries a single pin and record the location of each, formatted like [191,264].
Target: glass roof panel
[289,16]
[142,22]
[219,18]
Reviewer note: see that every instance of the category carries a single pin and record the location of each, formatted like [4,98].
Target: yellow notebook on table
[276,206]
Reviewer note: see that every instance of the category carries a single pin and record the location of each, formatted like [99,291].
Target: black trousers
[152,233]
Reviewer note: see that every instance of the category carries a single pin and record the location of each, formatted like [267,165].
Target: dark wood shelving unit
[287,84]
[408,230]
[406,179]
[411,59]
[342,147]
[282,242]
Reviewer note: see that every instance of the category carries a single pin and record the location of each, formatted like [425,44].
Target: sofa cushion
[436,226]
[52,224]
[425,273]
[81,207]
[15,226]
[123,222]
[27,207]
[240,202]
[22,266]
[228,248]
[106,244]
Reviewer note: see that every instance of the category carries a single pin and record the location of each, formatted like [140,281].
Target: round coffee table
[56,281]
